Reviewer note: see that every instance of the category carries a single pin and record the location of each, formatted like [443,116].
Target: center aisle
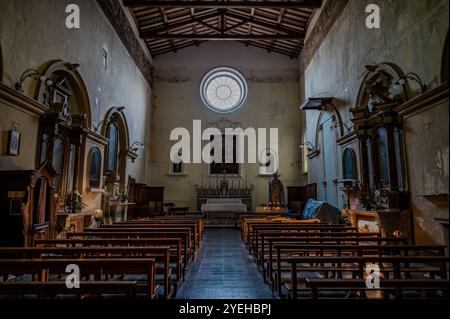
[223,270]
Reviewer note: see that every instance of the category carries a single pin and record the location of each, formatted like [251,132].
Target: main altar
[222,200]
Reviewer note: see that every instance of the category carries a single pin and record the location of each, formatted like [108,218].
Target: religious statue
[276,191]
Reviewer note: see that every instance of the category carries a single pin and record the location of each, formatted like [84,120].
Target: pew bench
[389,289]
[99,269]
[59,290]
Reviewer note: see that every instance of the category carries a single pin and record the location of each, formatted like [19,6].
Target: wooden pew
[41,269]
[247,224]
[276,265]
[160,226]
[261,245]
[160,254]
[176,257]
[258,247]
[183,235]
[56,289]
[392,288]
[391,267]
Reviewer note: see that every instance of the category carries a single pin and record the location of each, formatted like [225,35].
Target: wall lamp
[111,111]
[414,77]
[31,73]
[316,103]
[309,146]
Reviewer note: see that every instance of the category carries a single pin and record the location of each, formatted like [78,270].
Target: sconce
[309,146]
[414,77]
[111,111]
[28,74]
[316,103]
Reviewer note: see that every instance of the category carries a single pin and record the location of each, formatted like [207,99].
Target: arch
[118,116]
[124,138]
[372,71]
[63,68]
[340,123]
[95,167]
[444,64]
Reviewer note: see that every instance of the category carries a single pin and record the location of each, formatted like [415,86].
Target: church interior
[118,180]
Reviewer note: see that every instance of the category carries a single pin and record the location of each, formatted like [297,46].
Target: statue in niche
[276,191]
[378,88]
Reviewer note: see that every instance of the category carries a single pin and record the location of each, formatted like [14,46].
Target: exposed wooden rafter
[310,4]
[276,26]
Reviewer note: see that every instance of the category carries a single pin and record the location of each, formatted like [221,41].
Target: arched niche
[349,165]
[115,121]
[379,132]
[331,109]
[64,125]
[377,81]
[95,168]
[60,81]
[444,65]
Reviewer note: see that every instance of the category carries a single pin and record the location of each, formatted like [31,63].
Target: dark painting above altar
[224,168]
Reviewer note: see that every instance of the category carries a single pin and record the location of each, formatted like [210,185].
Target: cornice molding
[423,101]
[23,103]
[119,21]
[327,18]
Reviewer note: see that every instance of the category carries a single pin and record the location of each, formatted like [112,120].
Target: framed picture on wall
[177,169]
[13,146]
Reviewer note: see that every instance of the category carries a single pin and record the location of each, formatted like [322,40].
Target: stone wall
[33,33]
[412,36]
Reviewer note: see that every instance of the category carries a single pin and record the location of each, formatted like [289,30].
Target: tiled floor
[223,269]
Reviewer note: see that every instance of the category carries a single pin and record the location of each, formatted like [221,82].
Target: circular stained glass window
[223,90]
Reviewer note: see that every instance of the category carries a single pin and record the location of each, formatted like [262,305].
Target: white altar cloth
[224,205]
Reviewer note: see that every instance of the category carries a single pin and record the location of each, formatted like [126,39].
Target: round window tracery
[223,90]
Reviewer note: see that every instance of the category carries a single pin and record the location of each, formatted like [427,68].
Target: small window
[95,168]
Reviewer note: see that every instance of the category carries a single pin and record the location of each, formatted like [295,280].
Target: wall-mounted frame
[177,169]
[13,146]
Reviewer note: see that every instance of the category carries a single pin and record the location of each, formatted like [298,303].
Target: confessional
[28,206]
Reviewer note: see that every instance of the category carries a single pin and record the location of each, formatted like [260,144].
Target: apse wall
[272,101]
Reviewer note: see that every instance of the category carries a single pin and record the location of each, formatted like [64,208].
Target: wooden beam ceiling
[310,4]
[277,26]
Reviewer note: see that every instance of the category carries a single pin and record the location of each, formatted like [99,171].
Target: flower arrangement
[73,202]
[367,199]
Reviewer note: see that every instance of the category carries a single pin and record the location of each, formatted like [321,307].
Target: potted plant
[73,202]
[367,199]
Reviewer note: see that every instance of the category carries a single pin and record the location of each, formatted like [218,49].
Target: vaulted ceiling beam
[221,37]
[267,25]
[179,24]
[311,4]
